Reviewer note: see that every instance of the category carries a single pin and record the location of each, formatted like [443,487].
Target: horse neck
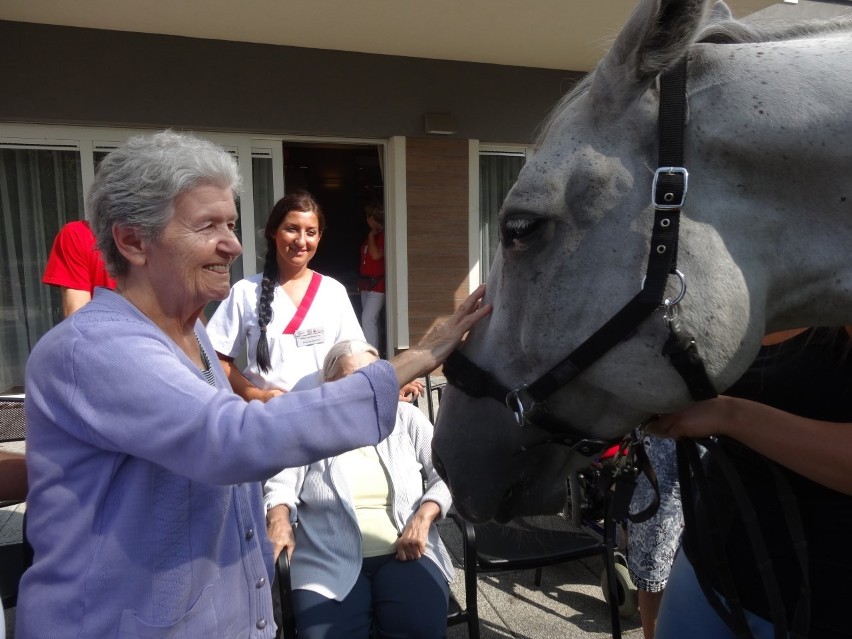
[774,156]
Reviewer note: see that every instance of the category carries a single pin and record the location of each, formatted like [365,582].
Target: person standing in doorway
[288,316]
[371,282]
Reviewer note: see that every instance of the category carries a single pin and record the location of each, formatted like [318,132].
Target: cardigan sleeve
[284,488]
[161,409]
[420,431]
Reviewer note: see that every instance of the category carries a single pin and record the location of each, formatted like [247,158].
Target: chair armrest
[285,589]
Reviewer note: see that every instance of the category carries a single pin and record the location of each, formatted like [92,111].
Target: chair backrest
[12,425]
[432,396]
[12,420]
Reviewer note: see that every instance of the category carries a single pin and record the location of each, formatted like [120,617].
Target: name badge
[309,336]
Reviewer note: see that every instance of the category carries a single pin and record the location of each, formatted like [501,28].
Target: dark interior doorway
[343,178]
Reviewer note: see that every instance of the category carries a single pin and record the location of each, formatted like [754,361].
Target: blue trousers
[685,611]
[396,599]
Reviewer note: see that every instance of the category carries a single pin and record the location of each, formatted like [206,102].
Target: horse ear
[720,12]
[656,35]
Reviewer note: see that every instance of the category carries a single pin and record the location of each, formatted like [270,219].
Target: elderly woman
[145,505]
[367,557]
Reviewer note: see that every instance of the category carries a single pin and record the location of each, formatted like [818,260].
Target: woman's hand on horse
[441,340]
[815,449]
[717,416]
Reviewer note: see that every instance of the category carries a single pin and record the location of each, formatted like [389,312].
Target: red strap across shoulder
[304,306]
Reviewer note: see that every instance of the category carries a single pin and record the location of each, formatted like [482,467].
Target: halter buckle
[669,205]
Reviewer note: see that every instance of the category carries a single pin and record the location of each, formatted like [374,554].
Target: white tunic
[329,320]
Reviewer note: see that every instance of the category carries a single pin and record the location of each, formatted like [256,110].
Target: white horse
[764,242]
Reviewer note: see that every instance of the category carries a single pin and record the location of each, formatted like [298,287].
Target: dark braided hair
[295,201]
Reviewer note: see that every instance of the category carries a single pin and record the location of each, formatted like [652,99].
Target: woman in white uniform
[289,316]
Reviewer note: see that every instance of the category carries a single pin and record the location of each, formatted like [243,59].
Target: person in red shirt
[371,280]
[75,265]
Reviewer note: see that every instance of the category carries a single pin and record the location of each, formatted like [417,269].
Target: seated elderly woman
[366,555]
[145,504]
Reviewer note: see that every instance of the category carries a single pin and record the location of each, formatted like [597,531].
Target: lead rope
[689,464]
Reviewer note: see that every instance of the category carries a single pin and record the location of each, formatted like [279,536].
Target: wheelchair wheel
[628,599]
[576,499]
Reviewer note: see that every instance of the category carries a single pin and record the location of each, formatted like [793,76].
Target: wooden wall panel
[437,192]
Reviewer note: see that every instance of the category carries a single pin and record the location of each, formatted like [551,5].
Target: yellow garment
[371,498]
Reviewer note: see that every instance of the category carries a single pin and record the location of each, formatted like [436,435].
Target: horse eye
[518,228]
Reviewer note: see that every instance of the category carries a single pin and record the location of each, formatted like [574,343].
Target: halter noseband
[668,191]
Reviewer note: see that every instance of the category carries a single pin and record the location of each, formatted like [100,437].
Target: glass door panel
[498,172]
[40,190]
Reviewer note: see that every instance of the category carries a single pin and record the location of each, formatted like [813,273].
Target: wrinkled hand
[701,419]
[280,531]
[411,544]
[411,391]
[441,340]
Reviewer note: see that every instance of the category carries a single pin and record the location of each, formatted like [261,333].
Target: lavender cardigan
[145,509]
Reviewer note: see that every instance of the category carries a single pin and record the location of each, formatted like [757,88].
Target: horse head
[575,233]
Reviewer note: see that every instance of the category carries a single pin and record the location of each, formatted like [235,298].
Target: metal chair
[14,558]
[285,613]
[524,543]
[12,420]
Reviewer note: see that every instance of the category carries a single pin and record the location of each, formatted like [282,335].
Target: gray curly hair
[137,184]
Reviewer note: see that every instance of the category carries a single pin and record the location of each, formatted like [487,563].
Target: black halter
[529,402]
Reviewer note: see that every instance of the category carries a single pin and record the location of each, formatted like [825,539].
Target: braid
[264,308]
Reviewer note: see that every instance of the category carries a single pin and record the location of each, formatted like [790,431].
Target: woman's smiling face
[297,238]
[190,261]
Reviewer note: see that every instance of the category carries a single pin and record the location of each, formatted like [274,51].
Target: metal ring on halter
[681,294]
[514,404]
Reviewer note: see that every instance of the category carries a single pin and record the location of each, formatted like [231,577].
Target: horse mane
[719,32]
[737,32]
[579,89]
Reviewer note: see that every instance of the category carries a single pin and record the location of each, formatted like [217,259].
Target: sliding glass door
[40,190]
